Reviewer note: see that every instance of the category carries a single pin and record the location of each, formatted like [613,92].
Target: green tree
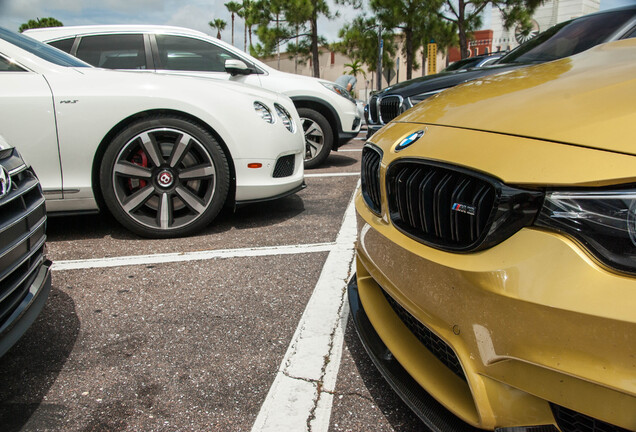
[219,25]
[355,68]
[249,12]
[414,19]
[271,11]
[260,12]
[359,41]
[466,15]
[234,8]
[274,28]
[316,8]
[294,20]
[40,23]
[443,33]
[300,52]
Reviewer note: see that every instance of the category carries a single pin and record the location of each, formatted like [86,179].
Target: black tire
[164,176]
[318,137]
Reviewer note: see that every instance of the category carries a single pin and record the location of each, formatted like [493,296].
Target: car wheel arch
[323,108]
[123,124]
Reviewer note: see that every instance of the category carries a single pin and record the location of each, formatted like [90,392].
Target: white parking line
[351,174]
[302,393]
[191,256]
[349,150]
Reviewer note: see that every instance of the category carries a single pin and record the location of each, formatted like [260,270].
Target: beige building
[551,12]
[332,65]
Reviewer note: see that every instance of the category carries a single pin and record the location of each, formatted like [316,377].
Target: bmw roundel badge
[409,140]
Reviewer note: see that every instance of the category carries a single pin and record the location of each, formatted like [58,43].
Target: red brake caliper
[140,159]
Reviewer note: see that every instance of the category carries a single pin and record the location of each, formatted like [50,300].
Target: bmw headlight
[603,221]
[415,99]
[284,115]
[338,89]
[264,112]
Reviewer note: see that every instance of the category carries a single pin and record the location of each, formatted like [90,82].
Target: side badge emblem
[5,182]
[410,140]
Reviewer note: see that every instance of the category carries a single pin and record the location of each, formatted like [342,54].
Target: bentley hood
[586,100]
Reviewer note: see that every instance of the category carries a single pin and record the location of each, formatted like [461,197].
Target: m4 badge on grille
[410,140]
[464,208]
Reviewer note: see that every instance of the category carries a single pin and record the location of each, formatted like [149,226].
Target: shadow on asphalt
[29,369]
[85,226]
[96,226]
[335,160]
[263,214]
[393,408]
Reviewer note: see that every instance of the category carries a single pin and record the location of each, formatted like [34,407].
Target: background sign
[432,58]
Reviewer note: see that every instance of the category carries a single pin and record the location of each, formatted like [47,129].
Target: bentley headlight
[264,112]
[338,89]
[603,221]
[284,115]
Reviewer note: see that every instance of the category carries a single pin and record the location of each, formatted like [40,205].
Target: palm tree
[251,18]
[245,13]
[219,25]
[234,8]
[355,68]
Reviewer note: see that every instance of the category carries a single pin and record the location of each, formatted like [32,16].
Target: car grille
[22,234]
[390,108]
[284,166]
[572,421]
[430,340]
[370,177]
[373,110]
[422,198]
[455,209]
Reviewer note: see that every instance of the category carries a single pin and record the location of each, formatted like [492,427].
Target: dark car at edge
[25,273]
[562,40]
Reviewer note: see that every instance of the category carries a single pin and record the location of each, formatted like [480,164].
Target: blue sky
[187,13]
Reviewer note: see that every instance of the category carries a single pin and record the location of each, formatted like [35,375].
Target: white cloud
[128,5]
[186,13]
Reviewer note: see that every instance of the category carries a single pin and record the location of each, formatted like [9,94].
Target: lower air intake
[430,340]
[284,166]
[572,421]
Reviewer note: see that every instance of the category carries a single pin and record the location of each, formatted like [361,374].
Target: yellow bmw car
[496,253]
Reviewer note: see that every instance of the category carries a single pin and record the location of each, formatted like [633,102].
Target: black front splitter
[434,415]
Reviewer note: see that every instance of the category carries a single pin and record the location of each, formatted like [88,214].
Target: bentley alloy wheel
[164,177]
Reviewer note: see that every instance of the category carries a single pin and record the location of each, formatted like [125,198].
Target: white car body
[306,92]
[63,117]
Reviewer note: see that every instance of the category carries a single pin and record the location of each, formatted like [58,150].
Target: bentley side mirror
[236,67]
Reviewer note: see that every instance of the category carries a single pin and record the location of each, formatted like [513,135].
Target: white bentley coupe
[163,153]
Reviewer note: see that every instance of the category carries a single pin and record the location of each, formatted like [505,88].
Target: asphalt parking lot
[241,327]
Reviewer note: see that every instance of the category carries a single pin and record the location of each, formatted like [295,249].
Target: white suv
[328,113]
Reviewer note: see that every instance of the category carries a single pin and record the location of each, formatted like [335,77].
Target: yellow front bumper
[532,321]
